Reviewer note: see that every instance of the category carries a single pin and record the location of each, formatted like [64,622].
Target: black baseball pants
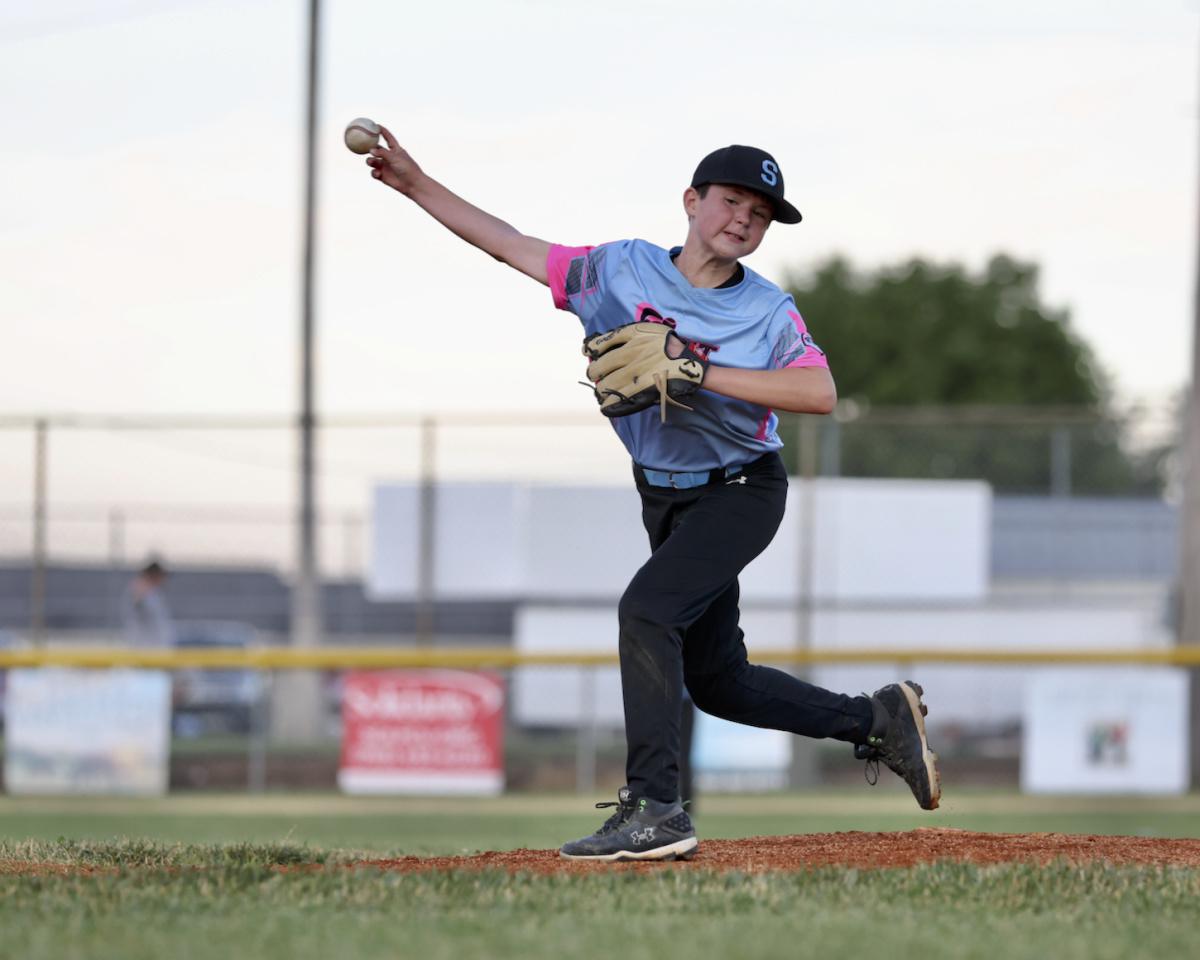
[679,624]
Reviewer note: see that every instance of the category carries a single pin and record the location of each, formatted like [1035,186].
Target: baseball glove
[631,370]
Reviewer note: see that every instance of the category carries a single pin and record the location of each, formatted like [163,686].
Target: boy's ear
[691,197]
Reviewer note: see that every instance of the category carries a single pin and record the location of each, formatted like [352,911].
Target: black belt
[685,480]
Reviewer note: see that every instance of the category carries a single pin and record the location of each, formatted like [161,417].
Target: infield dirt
[858,850]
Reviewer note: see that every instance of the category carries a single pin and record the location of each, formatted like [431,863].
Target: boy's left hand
[640,364]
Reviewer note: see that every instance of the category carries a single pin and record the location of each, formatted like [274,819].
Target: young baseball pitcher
[690,352]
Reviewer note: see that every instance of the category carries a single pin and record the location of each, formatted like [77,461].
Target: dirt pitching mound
[855,849]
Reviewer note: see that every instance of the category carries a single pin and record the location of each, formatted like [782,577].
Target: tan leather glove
[631,369]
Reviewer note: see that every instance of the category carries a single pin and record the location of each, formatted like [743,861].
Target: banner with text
[422,732]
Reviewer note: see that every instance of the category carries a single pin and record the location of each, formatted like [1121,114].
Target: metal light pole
[298,707]
[1189,574]
[804,770]
[306,604]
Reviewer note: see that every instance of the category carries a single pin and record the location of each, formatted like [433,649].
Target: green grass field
[448,826]
[195,876]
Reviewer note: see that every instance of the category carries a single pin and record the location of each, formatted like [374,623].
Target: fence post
[256,752]
[831,447]
[352,545]
[1060,461]
[352,569]
[426,531]
[116,562]
[37,587]
[585,741]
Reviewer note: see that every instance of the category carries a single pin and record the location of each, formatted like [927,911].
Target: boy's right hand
[392,164]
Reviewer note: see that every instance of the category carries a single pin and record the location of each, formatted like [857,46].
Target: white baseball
[362,135]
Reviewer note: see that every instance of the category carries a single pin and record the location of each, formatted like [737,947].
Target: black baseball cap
[751,168]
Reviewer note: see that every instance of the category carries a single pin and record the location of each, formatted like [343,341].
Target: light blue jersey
[752,325]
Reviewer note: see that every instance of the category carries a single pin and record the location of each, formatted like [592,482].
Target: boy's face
[731,221]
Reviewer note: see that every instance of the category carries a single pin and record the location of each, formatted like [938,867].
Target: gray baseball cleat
[898,738]
[641,829]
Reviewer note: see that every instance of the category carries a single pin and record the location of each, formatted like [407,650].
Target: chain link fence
[221,491]
[88,499]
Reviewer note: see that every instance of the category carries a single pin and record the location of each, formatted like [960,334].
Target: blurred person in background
[145,616]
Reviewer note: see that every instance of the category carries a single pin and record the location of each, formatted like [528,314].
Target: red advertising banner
[422,731]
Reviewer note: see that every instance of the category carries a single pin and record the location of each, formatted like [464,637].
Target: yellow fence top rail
[344,658]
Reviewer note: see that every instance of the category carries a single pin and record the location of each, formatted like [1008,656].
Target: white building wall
[900,564]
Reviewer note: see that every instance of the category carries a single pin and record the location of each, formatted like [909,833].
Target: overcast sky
[152,158]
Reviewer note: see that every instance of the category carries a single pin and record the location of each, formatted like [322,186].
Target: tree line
[924,334]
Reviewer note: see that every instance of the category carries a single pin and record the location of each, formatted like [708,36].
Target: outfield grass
[198,877]
[209,902]
[420,826]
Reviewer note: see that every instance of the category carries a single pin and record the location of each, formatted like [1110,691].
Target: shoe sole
[928,757]
[680,850]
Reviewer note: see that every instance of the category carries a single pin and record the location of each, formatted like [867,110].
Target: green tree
[923,335]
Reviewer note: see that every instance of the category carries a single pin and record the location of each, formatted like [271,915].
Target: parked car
[210,702]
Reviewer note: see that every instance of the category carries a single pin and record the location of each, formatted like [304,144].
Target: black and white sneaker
[898,738]
[641,829]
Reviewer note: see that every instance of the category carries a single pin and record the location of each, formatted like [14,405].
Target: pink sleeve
[558,262]
[804,352]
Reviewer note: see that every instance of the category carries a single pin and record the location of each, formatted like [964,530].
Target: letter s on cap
[770,173]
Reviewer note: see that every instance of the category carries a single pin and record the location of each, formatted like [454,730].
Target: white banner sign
[1106,730]
[87,731]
